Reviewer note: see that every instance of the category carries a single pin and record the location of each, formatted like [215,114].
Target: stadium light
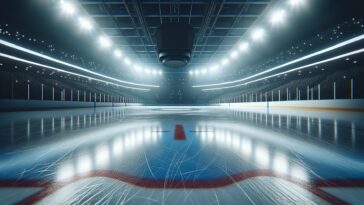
[29,51]
[118,53]
[68,8]
[127,61]
[104,41]
[295,3]
[214,68]
[233,54]
[257,34]
[355,52]
[137,67]
[277,17]
[243,46]
[68,72]
[85,24]
[224,61]
[311,55]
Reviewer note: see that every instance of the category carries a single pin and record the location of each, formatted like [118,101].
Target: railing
[40,91]
[346,91]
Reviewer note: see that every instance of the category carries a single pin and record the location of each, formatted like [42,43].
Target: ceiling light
[104,41]
[118,53]
[85,24]
[292,70]
[295,3]
[277,17]
[127,61]
[214,68]
[233,54]
[190,72]
[160,72]
[224,61]
[137,67]
[147,71]
[243,46]
[154,72]
[68,8]
[203,71]
[197,72]
[26,50]
[257,34]
[69,72]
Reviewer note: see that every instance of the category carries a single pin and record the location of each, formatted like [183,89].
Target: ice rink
[181,155]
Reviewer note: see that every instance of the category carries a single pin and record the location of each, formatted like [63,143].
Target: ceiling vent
[174,44]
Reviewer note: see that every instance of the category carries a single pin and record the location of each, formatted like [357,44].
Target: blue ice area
[139,142]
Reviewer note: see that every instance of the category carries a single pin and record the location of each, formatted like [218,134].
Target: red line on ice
[179,133]
[314,187]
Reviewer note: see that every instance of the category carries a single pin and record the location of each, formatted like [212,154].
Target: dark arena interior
[197,102]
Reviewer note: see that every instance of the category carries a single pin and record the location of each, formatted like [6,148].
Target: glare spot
[85,24]
[65,171]
[104,41]
[262,155]
[277,17]
[258,34]
[84,164]
[102,155]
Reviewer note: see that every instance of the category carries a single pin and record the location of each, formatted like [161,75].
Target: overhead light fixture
[104,41]
[85,24]
[118,53]
[234,54]
[277,17]
[154,72]
[203,71]
[257,34]
[355,52]
[326,50]
[127,61]
[67,7]
[243,46]
[68,72]
[214,68]
[295,3]
[160,72]
[197,72]
[224,61]
[137,67]
[190,72]
[26,50]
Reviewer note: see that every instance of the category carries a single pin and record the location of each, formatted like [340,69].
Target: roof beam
[93,2]
[126,15]
[155,27]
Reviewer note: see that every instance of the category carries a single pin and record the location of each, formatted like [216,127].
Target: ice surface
[130,156]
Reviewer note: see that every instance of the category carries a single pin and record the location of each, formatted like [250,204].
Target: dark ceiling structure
[217,25]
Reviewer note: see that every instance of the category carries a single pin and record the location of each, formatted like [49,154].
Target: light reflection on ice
[299,172]
[65,171]
[255,151]
[102,155]
[246,147]
[84,163]
[117,146]
[280,163]
[262,155]
[108,150]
